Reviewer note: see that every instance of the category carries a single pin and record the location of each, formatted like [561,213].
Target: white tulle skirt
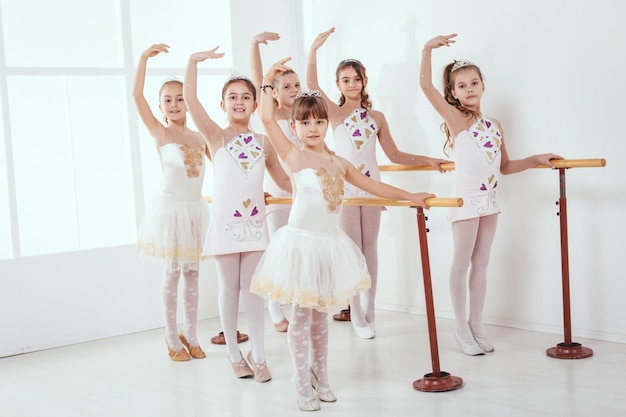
[314,270]
[174,231]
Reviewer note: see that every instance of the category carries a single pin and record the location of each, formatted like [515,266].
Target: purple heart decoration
[488,123]
[475,134]
[242,156]
[367,174]
[488,144]
[248,139]
[236,213]
[255,211]
[483,187]
[356,132]
[363,114]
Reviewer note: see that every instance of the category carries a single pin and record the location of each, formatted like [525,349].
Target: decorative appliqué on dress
[245,150]
[361,128]
[487,136]
[193,158]
[245,226]
[482,204]
[332,188]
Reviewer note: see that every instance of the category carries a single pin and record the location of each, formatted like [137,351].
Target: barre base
[569,351]
[438,383]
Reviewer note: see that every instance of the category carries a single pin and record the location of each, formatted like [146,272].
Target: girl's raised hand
[321,38]
[442,40]
[277,69]
[263,37]
[156,49]
[204,55]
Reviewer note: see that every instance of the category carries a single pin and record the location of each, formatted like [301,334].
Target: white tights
[190,306]
[234,272]
[307,337]
[472,245]
[362,224]
[275,220]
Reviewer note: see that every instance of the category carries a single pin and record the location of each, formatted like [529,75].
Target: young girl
[357,127]
[238,230]
[480,155]
[174,227]
[324,267]
[284,91]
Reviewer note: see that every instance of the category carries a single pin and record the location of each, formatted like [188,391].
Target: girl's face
[287,89]
[238,102]
[171,102]
[351,84]
[311,132]
[468,87]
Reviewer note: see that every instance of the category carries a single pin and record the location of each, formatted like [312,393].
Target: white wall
[553,74]
[554,79]
[61,299]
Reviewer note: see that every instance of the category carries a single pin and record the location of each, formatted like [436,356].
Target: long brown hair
[448,85]
[360,70]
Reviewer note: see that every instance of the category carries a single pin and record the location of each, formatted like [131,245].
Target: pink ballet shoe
[282,326]
[196,352]
[261,373]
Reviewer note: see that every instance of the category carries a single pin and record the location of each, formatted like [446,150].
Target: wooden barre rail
[373,201]
[558,163]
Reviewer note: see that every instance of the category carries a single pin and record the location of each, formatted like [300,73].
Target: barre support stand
[437,380]
[566,349]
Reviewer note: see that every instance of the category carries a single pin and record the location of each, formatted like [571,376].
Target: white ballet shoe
[484,344]
[311,403]
[324,394]
[482,341]
[469,347]
[364,332]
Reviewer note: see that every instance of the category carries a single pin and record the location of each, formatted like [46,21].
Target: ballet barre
[449,166]
[437,380]
[566,349]
[375,201]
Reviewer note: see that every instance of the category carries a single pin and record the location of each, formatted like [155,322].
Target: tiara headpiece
[171,79]
[461,63]
[234,76]
[308,93]
[351,61]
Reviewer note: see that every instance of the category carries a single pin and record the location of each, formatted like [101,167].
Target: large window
[76,164]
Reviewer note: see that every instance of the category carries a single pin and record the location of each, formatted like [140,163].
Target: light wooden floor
[133,376]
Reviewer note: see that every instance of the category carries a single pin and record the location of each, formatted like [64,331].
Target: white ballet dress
[238,207]
[477,169]
[355,140]
[175,223]
[311,261]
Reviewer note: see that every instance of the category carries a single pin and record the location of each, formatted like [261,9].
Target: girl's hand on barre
[420,199]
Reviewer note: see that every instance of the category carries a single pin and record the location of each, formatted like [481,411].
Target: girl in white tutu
[174,226]
[311,263]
